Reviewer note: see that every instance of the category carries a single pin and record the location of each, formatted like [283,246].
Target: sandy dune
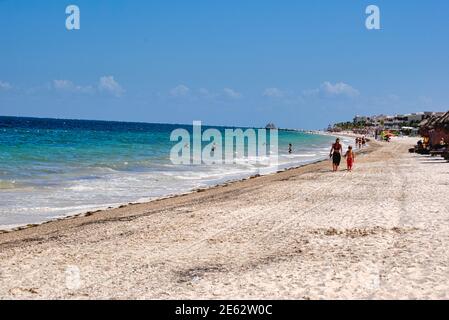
[381,231]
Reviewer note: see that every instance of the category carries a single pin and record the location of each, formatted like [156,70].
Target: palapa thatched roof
[425,122]
[435,121]
[429,122]
[443,121]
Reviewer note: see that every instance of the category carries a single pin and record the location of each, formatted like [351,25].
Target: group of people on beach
[360,142]
[337,151]
[336,154]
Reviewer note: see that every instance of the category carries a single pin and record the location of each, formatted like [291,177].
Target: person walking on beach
[350,157]
[335,154]
[290,148]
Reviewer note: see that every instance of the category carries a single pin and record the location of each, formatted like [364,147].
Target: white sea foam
[98,186]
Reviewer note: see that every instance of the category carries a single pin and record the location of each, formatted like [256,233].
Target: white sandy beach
[381,231]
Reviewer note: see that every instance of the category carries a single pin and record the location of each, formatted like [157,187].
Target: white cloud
[109,85]
[328,89]
[310,92]
[183,91]
[4,86]
[231,93]
[273,93]
[67,85]
[105,84]
[338,89]
[63,84]
[204,92]
[180,91]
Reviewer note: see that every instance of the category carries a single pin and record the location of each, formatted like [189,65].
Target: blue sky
[296,63]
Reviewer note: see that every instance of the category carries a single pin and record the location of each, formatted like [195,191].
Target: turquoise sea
[52,168]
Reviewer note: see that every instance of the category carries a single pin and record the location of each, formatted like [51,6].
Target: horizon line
[160,123]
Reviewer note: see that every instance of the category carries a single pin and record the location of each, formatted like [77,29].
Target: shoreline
[107,207]
[15,228]
[368,149]
[218,186]
[378,232]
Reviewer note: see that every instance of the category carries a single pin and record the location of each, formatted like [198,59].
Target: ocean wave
[67,171]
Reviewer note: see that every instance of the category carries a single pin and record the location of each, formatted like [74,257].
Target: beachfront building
[396,122]
[360,119]
[407,124]
[399,121]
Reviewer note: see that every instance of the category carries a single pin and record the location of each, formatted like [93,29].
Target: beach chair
[423,151]
[435,153]
[446,155]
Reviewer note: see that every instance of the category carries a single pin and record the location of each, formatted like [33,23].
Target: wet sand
[381,231]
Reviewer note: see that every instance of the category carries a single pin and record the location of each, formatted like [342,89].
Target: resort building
[396,122]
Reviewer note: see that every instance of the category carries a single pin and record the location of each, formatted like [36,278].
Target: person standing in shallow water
[335,154]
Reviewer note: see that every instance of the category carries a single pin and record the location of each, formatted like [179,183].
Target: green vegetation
[350,125]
